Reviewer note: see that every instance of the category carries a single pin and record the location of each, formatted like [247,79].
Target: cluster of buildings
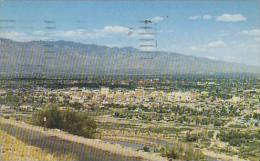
[36,98]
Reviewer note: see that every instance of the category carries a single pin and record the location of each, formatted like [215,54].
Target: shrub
[146,149]
[182,152]
[205,121]
[70,121]
[77,106]
[174,153]
[218,123]
[191,137]
[52,115]
[6,117]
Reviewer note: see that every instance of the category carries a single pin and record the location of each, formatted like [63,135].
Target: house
[26,108]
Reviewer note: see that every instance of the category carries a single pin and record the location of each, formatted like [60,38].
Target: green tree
[70,121]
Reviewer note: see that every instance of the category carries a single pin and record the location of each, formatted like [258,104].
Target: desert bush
[70,121]
[182,152]
[146,149]
[191,137]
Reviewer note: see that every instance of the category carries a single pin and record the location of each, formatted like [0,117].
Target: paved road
[62,143]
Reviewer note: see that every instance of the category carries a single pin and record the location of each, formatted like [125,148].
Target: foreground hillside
[12,149]
[63,144]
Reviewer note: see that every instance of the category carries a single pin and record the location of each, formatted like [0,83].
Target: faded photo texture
[129,80]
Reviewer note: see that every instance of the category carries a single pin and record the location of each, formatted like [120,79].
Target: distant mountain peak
[60,58]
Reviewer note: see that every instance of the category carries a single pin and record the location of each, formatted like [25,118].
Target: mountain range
[60,59]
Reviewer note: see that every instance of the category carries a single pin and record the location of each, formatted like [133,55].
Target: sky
[226,30]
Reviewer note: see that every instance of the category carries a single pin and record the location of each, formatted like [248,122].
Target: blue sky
[220,30]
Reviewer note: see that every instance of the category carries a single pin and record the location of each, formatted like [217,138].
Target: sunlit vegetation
[70,121]
[183,152]
[247,141]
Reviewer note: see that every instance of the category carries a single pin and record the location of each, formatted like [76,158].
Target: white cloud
[115,29]
[10,34]
[14,36]
[157,19]
[231,17]
[210,45]
[207,17]
[105,31]
[216,44]
[73,35]
[253,32]
[194,17]
[212,57]
[204,17]
[196,48]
